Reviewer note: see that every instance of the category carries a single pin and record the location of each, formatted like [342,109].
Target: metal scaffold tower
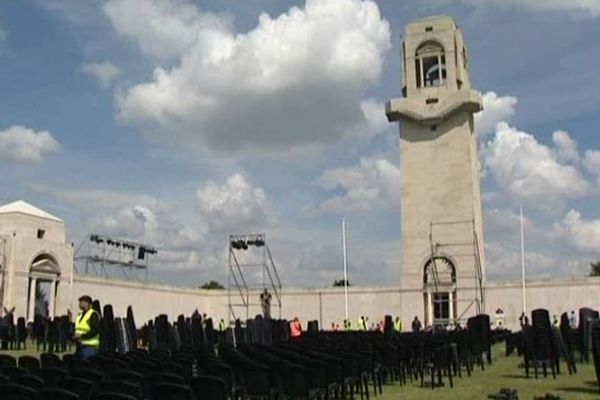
[462,252]
[108,257]
[251,271]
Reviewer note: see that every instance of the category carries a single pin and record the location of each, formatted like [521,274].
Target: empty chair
[30,363]
[82,387]
[145,367]
[225,372]
[209,388]
[441,364]
[57,394]
[31,381]
[112,396]
[68,360]
[51,360]
[14,391]
[7,361]
[172,368]
[13,372]
[89,374]
[164,377]
[171,391]
[52,376]
[117,386]
[4,379]
[128,376]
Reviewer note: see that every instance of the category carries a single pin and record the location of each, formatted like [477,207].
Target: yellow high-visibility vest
[82,327]
[398,325]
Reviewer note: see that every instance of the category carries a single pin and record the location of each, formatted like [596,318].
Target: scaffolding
[108,257]
[251,271]
[462,252]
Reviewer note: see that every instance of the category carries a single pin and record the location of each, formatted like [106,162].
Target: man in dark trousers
[416,324]
[87,330]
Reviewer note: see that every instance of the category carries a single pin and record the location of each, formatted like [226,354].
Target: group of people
[362,324]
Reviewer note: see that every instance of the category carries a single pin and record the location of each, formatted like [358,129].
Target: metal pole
[345,260]
[523,264]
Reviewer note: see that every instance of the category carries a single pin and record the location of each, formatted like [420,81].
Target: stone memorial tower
[443,268]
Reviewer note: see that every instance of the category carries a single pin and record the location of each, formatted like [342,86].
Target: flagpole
[345,261]
[523,264]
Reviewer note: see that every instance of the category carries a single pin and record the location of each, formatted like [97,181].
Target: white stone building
[33,252]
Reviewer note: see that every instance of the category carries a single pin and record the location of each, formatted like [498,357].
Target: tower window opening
[40,233]
[430,65]
[429,29]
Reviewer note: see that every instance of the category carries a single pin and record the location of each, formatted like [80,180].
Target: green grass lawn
[504,372]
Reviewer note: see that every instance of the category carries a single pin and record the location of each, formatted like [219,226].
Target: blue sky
[179,122]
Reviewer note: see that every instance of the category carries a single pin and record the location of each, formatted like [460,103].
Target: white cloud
[375,121]
[22,145]
[137,222]
[101,199]
[529,171]
[165,29]
[277,86]
[495,109]
[372,184]
[583,235]
[180,239]
[104,72]
[236,205]
[591,161]
[566,147]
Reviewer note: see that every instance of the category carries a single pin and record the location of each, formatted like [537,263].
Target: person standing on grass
[87,330]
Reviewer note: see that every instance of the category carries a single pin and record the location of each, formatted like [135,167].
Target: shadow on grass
[582,390]
[515,376]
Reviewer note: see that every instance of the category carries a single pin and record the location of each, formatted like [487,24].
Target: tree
[595,268]
[340,283]
[212,285]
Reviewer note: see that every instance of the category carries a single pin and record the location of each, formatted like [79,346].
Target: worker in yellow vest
[397,324]
[87,330]
[222,325]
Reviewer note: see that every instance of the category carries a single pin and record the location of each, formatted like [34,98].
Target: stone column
[31,305]
[430,316]
[52,300]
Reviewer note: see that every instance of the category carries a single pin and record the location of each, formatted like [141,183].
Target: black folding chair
[171,391]
[82,387]
[209,388]
[14,391]
[58,394]
[31,381]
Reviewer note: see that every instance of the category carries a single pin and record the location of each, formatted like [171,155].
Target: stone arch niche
[44,268]
[439,290]
[430,64]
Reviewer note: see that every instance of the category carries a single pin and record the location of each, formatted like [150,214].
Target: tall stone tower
[443,270]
